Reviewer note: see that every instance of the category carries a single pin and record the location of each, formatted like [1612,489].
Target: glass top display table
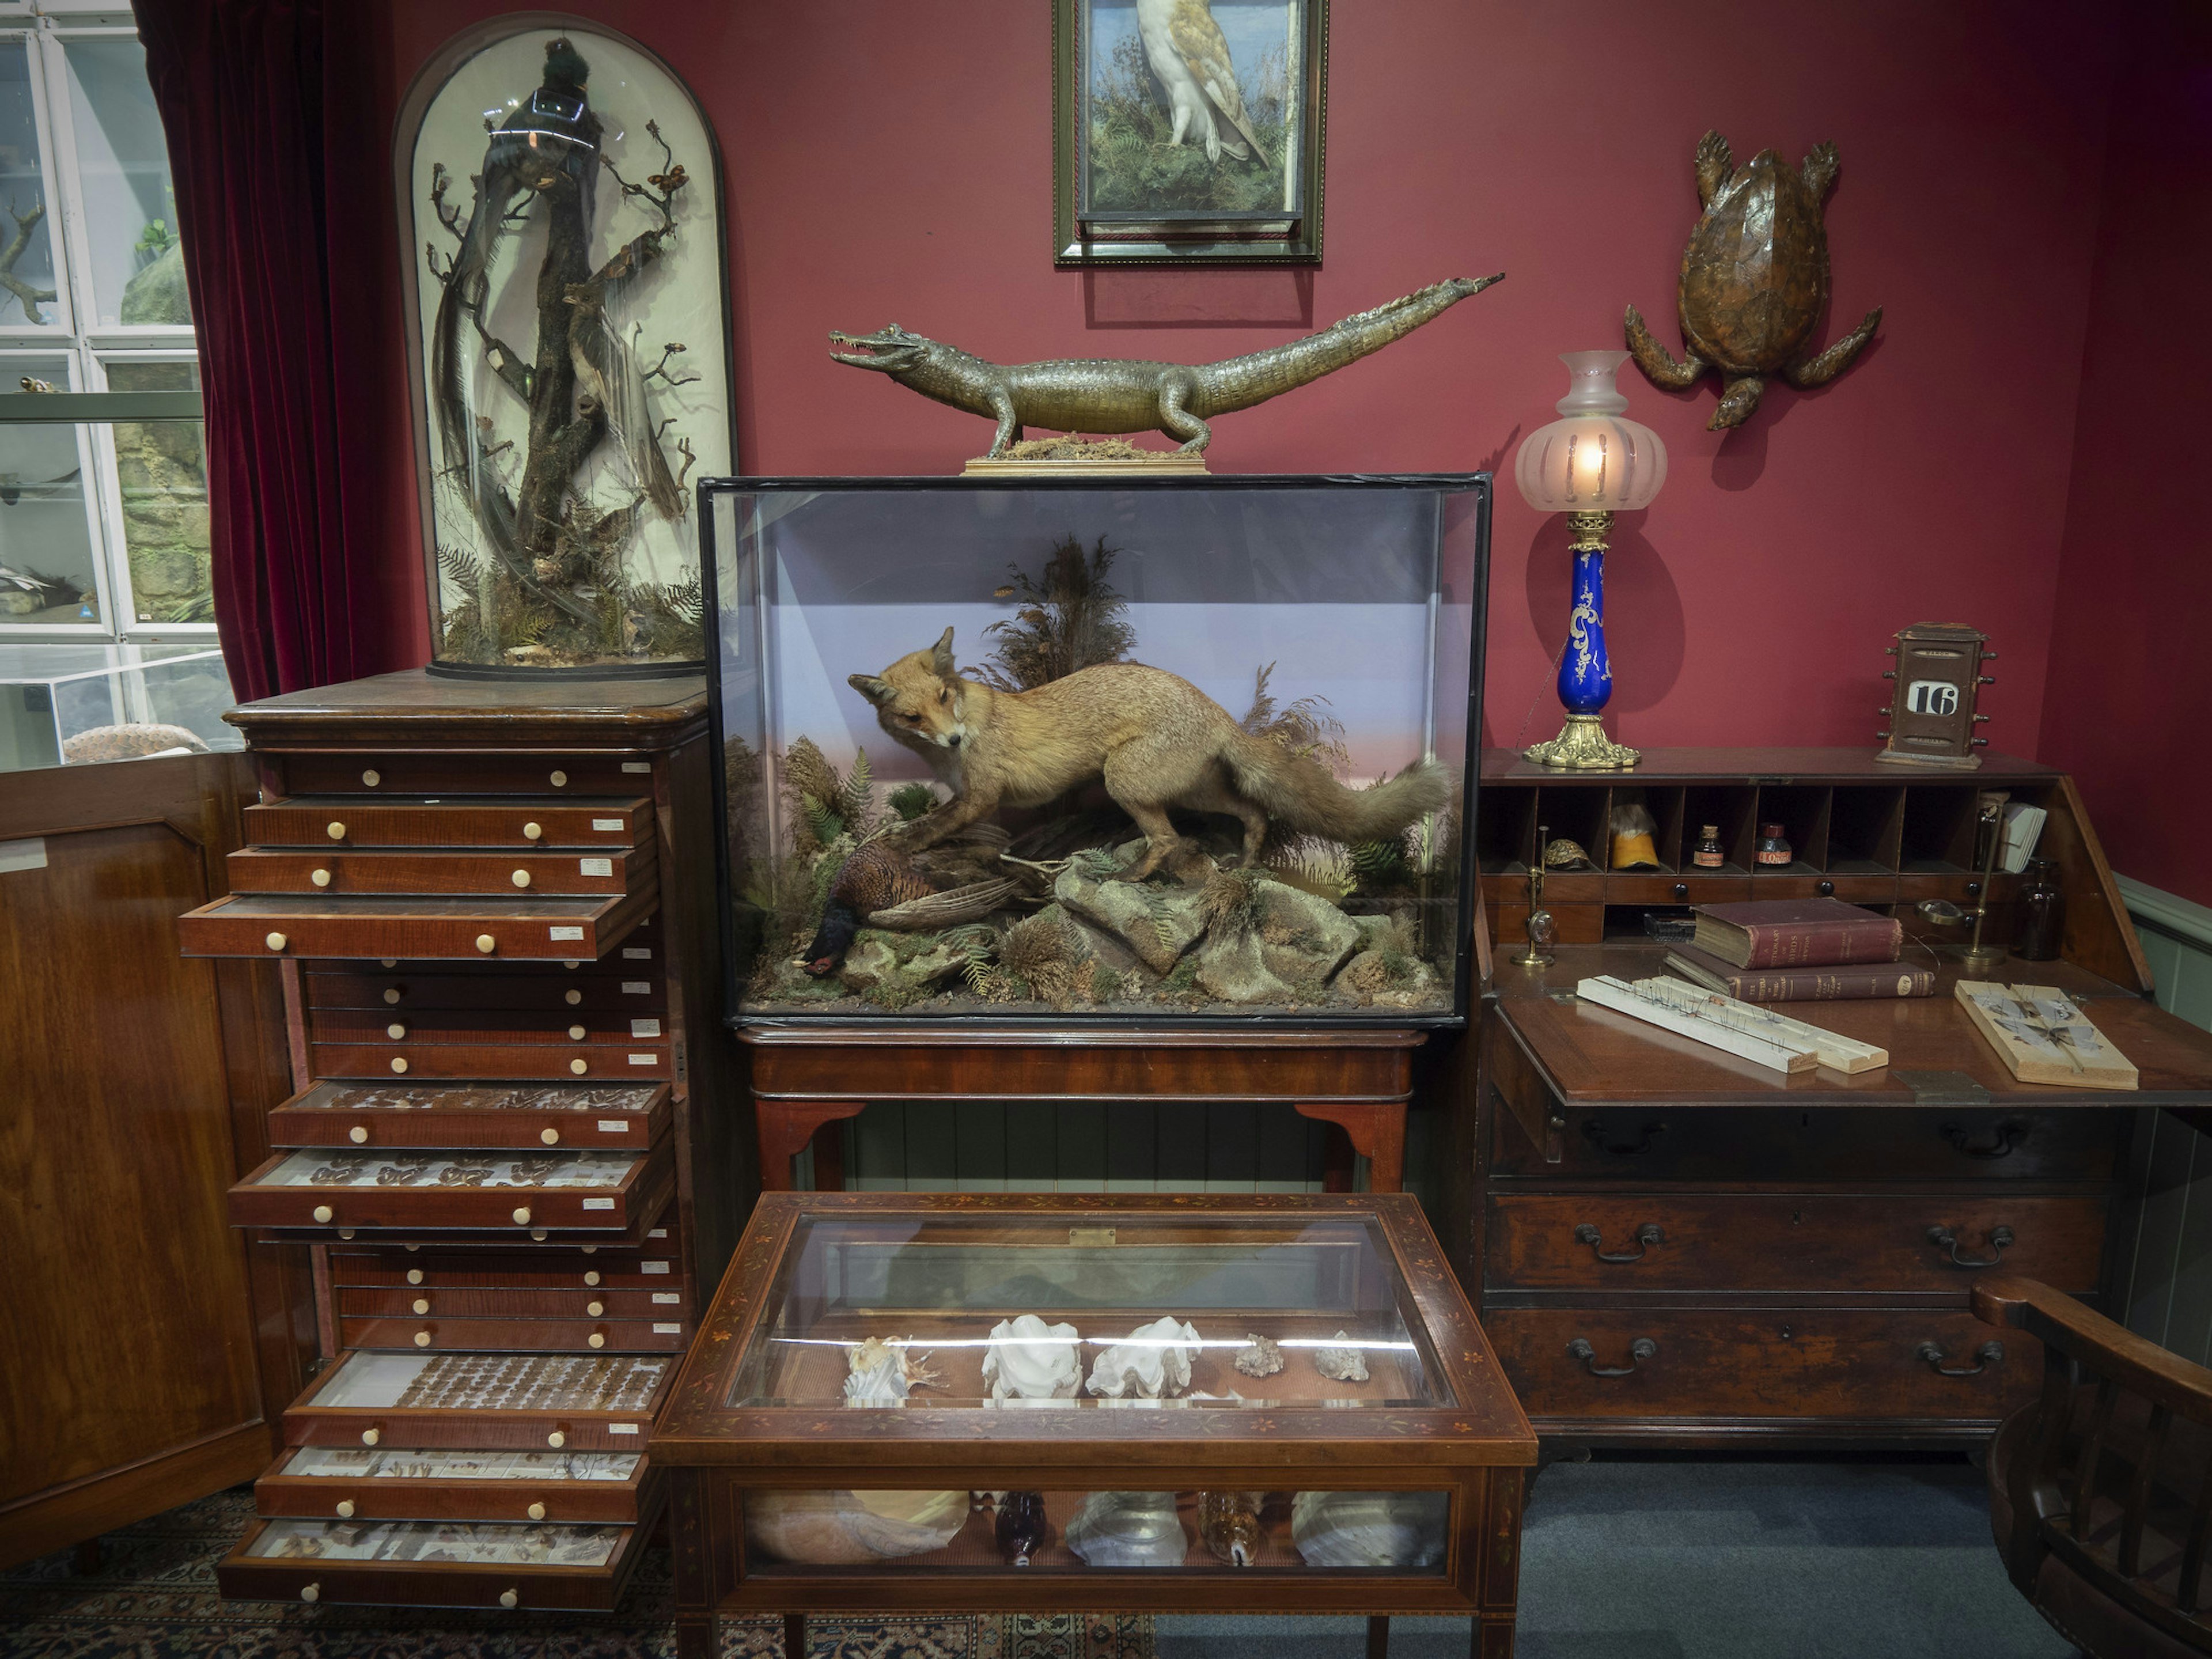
[906,1402]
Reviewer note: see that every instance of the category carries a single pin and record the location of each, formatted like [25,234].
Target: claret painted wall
[891,161]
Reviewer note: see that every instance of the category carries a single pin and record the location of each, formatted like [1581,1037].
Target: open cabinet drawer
[655,1266]
[549,929]
[509,1193]
[442,870]
[580,1117]
[525,1335]
[436,1564]
[386,1483]
[522,822]
[478,1401]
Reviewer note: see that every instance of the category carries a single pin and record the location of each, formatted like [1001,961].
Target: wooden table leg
[828,1144]
[1378,1636]
[795,1636]
[785,1127]
[694,1552]
[1376,1129]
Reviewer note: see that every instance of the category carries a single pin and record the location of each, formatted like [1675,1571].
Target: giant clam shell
[1370,1529]
[1030,1359]
[1129,1529]
[1153,1364]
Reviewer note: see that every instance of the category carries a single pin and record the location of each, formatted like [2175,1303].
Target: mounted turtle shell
[1754,280]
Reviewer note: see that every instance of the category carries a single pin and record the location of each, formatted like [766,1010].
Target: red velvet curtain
[265,134]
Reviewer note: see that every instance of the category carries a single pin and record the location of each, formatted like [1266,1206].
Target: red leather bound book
[1814,932]
[1835,983]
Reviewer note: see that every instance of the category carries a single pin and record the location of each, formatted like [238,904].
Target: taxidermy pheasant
[882,885]
[1755,282]
[1187,50]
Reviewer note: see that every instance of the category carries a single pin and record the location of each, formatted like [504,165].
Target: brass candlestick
[1976,955]
[1540,919]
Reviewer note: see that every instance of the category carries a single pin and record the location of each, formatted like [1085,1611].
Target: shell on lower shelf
[1129,1529]
[1028,1360]
[1370,1529]
[844,1528]
[1154,1363]
[1229,1523]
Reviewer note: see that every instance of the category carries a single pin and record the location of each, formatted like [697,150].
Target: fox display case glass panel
[1936,683]
[560,199]
[1154,753]
[1188,130]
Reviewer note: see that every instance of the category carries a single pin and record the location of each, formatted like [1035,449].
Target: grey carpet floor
[1714,1560]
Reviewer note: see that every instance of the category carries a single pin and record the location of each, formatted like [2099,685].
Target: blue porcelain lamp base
[1585,677]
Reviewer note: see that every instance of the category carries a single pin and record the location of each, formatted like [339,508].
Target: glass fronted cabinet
[71,704]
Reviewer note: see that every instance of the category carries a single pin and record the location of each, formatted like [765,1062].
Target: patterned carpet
[154,1598]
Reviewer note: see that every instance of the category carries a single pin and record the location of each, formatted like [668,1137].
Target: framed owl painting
[1188,131]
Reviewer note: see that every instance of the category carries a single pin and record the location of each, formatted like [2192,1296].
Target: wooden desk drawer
[510,1192]
[1815,1242]
[655,1268]
[367,771]
[276,869]
[1571,924]
[451,929]
[1684,887]
[508,1302]
[519,1335]
[483,1401]
[346,1115]
[620,983]
[1641,1145]
[384,1483]
[1852,890]
[332,821]
[464,1060]
[1759,1363]
[407,1029]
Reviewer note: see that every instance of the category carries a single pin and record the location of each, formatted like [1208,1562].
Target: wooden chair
[2100,1491]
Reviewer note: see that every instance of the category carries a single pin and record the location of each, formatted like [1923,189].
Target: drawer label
[596,866]
[23,854]
[606,823]
[566,932]
[645,1028]
[637,766]
[637,953]
[653,1267]
[622,1428]
[614,1126]
[643,1059]
[670,1296]
[658,1232]
[599,1204]
[637,987]
[676,1329]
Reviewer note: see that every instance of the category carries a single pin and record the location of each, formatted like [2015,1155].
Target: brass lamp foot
[1583,747]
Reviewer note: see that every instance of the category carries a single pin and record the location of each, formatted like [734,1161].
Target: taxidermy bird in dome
[1187,50]
[555,131]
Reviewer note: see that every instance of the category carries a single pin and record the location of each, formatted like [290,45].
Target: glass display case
[1155,752]
[55,700]
[1273,1400]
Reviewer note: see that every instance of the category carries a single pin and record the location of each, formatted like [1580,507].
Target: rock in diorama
[1066,815]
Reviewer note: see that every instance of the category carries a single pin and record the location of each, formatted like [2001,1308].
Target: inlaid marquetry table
[895,1405]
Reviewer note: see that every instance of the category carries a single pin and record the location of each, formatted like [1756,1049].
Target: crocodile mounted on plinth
[1116,395]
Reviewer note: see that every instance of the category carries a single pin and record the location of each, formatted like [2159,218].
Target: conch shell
[883,1373]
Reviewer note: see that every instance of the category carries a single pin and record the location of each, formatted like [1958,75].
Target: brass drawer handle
[1646,1235]
[1989,1354]
[1944,1239]
[1594,1132]
[1643,1348]
[2003,1137]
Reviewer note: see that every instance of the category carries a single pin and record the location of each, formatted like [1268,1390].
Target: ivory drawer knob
[391,993]
[345,1232]
[311,1592]
[522,1216]
[521,879]
[398,1064]
[551,1137]
[538,1233]
[320,878]
[556,1440]
[577,1066]
[335,831]
[410,1248]
[422,1338]
[275,941]
[422,1305]
[576,1034]
[536,1512]
[323,1213]
[486,943]
[370,1437]
[395,1030]
[560,780]
[573,997]
[414,1275]
[595,1308]
[358,1134]
[371,777]
[345,1509]
[508,1598]
[533,832]
[388,961]
[589,1249]
[592,1277]
[597,1339]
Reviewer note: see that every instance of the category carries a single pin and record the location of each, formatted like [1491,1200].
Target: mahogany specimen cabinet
[514,1143]
[1675,1246]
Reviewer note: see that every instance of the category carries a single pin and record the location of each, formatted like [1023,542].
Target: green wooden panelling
[2165,1270]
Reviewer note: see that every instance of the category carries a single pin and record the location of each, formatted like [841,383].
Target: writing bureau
[1673,1245]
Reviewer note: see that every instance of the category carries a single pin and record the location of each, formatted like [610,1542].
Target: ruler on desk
[1743,1028]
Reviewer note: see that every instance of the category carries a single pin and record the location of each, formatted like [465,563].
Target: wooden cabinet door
[148,1351]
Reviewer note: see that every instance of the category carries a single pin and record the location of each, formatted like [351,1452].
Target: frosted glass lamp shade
[1593,460]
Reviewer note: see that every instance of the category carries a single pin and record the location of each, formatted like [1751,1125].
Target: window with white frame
[103,492]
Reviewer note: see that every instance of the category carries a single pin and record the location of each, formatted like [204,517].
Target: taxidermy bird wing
[460,314]
[607,365]
[1205,52]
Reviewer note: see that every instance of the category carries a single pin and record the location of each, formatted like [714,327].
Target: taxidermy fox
[1157,741]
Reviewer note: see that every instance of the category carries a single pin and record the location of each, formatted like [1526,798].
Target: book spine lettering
[1812,986]
[1825,944]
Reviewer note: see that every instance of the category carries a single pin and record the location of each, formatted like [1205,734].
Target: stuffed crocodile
[1116,394]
